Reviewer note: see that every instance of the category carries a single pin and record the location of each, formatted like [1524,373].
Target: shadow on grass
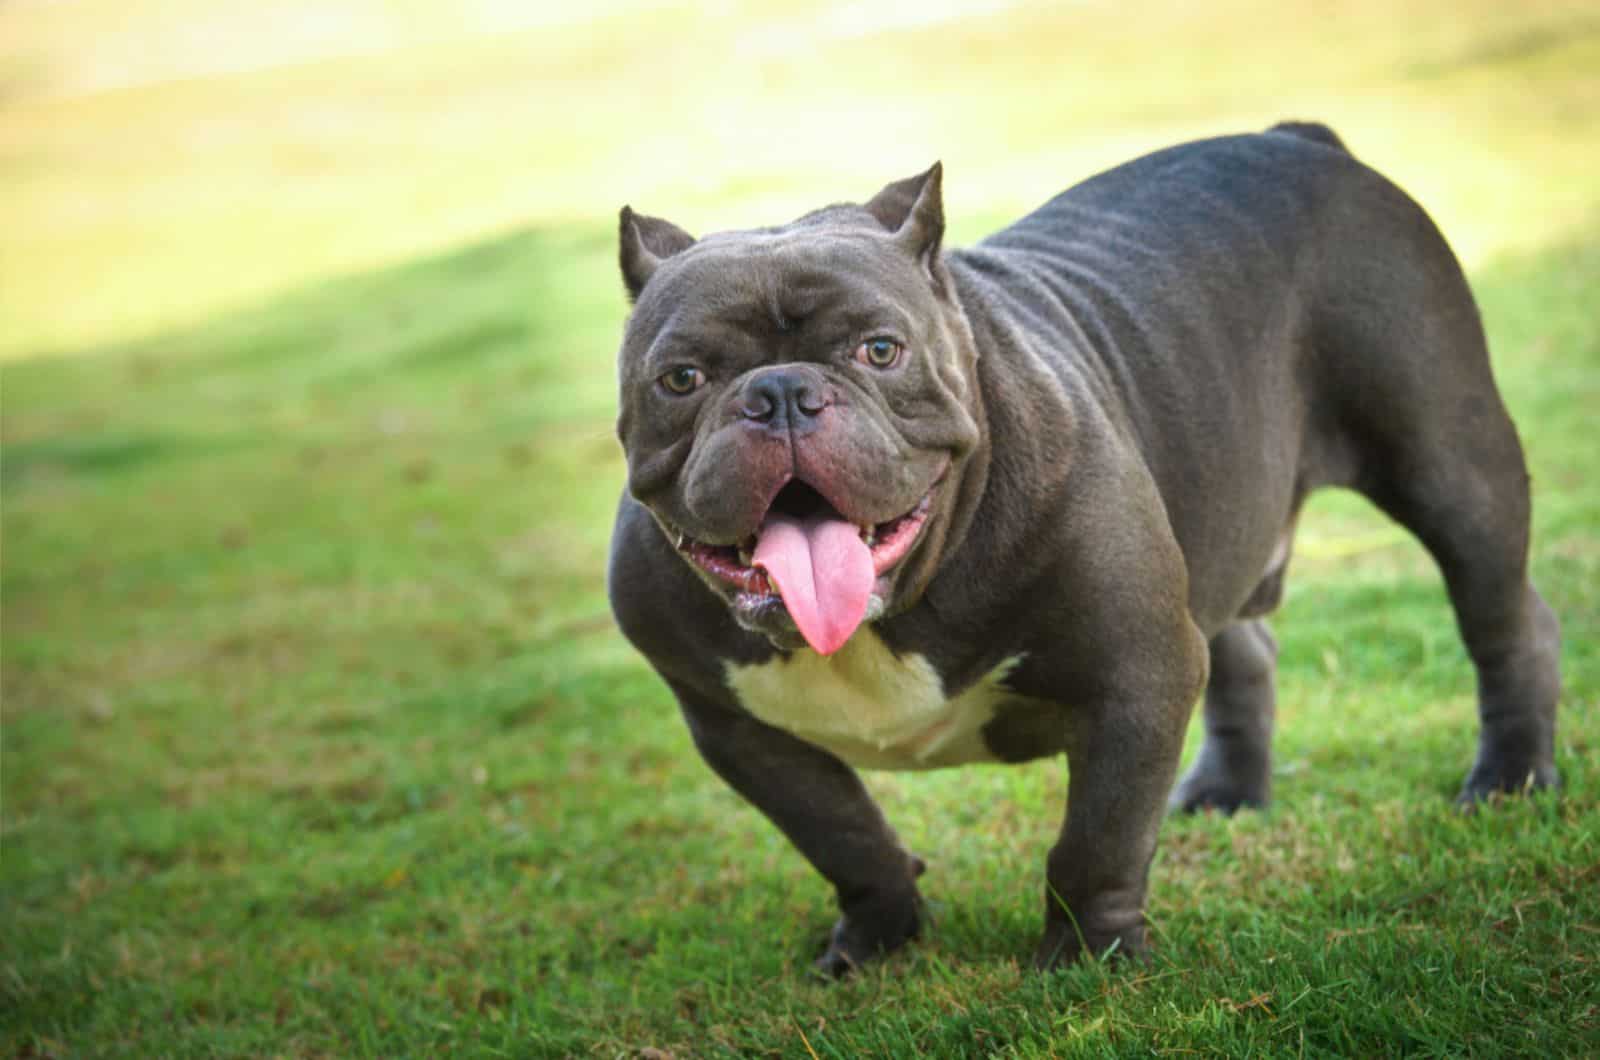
[521,323]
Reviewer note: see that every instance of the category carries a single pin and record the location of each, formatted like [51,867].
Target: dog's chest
[872,708]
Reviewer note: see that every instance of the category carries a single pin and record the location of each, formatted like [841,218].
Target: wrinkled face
[794,404]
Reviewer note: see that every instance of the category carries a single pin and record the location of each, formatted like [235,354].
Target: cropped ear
[643,244]
[913,209]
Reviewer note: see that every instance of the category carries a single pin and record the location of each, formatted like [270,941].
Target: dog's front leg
[1122,755]
[822,806]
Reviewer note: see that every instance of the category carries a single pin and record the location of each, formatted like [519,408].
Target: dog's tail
[1314,131]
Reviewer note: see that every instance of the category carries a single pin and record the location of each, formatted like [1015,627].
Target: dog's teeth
[745,559]
[869,534]
[681,539]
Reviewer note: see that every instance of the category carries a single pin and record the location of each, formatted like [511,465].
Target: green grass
[318,738]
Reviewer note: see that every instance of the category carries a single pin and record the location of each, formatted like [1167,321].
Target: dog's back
[1221,293]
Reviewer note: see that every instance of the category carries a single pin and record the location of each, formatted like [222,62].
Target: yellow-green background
[169,159]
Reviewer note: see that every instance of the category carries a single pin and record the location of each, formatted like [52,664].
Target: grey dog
[891,506]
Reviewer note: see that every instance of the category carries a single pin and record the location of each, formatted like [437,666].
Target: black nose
[788,397]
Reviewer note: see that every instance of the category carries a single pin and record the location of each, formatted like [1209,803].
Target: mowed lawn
[318,739]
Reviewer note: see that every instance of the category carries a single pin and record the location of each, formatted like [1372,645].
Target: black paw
[1062,944]
[869,931]
[1225,779]
[1196,794]
[1494,780]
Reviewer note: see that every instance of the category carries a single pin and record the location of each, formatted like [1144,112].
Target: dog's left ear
[644,242]
[913,209]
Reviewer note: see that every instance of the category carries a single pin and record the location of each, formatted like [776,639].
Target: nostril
[757,406]
[809,401]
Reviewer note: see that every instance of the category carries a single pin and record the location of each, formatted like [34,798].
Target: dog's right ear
[644,243]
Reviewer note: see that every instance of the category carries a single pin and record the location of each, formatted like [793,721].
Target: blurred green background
[171,159]
[318,738]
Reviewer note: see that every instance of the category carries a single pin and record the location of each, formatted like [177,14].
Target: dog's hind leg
[1403,348]
[1467,500]
[1234,767]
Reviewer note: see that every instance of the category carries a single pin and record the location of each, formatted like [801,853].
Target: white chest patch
[871,708]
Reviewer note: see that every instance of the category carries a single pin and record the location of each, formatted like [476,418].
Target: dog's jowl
[893,506]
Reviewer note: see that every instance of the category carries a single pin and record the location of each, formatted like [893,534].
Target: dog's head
[797,406]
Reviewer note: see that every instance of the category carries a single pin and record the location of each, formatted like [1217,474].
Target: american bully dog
[893,506]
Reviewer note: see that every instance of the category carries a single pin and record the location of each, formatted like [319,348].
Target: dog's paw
[1225,779]
[1495,780]
[1199,793]
[1063,944]
[864,935]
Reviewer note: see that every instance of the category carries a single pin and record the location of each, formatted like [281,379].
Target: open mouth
[810,562]
[736,564]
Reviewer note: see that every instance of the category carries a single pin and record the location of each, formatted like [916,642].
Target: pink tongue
[824,571]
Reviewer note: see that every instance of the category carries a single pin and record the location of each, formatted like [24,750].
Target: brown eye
[880,353]
[683,379]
